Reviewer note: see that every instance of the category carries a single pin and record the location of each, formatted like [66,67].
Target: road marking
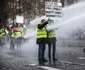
[65,62]
[72,63]
[82,58]
[48,68]
[45,67]
[32,64]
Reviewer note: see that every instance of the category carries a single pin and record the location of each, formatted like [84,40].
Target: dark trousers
[0,40]
[12,43]
[53,46]
[19,41]
[41,51]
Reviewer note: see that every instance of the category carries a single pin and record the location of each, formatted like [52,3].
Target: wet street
[69,53]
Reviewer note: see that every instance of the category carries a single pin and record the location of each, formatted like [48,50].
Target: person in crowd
[19,31]
[2,32]
[51,39]
[41,36]
[12,36]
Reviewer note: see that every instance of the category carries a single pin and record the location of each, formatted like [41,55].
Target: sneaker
[40,61]
[49,60]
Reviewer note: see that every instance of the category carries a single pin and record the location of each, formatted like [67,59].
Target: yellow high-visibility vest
[18,34]
[2,32]
[51,34]
[7,32]
[22,32]
[13,34]
[41,33]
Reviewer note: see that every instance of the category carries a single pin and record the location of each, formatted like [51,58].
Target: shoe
[40,61]
[84,50]
[54,60]
[44,60]
[49,60]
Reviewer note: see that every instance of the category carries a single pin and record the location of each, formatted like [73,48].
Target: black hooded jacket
[41,40]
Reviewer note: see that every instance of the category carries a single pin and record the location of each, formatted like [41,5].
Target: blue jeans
[41,51]
[12,43]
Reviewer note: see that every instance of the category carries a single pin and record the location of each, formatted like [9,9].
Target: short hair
[42,20]
[16,25]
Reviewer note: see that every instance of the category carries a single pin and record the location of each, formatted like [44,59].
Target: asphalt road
[69,53]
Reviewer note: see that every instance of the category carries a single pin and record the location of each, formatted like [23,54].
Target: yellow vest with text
[41,33]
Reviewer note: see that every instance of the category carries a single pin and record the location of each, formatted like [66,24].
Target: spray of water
[73,10]
[73,18]
[70,25]
[68,13]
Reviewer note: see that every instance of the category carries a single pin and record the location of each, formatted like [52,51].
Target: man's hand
[49,19]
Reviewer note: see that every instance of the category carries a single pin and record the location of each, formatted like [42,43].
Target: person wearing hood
[41,36]
[51,38]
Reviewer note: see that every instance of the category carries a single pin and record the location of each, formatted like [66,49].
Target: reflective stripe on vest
[41,33]
[51,34]
[7,32]
[2,32]
[18,34]
[13,34]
